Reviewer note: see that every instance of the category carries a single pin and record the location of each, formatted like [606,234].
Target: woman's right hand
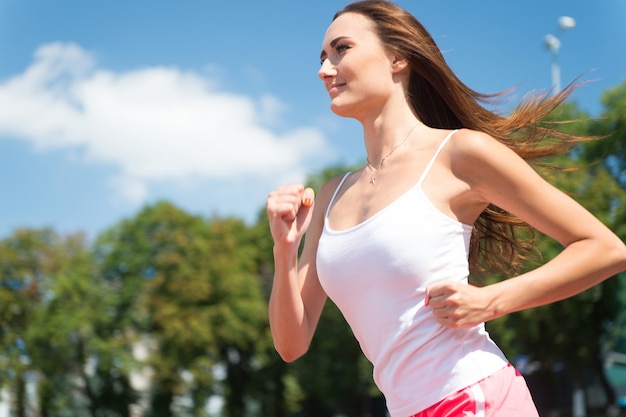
[289,209]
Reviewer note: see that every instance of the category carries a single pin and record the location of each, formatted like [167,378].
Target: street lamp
[554,44]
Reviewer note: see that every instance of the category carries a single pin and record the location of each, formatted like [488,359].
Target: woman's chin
[340,110]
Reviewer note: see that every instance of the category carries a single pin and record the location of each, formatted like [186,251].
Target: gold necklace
[380,164]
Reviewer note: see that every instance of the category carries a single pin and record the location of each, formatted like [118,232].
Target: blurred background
[138,142]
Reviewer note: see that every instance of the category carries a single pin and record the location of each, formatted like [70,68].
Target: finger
[285,201]
[432,292]
[427,296]
[308,196]
[437,303]
[448,322]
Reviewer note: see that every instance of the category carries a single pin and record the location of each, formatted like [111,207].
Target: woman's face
[355,68]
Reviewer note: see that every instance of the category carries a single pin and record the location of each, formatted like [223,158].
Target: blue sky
[107,106]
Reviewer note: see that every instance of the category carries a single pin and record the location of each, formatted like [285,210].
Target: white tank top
[377,272]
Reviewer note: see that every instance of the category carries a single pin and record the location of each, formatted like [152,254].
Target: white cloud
[151,123]
[129,189]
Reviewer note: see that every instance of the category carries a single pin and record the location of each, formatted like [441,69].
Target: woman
[393,243]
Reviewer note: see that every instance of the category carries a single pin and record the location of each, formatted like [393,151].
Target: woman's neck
[382,136]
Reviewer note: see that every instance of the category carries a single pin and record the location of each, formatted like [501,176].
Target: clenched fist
[289,209]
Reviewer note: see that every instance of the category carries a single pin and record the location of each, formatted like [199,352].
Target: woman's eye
[341,48]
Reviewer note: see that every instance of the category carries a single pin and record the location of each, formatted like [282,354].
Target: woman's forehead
[349,25]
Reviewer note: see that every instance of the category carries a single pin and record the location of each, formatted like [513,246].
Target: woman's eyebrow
[332,45]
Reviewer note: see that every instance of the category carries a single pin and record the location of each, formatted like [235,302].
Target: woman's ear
[398,64]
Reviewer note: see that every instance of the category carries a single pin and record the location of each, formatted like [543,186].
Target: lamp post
[554,44]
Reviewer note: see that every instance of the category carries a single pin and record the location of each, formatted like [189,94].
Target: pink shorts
[503,394]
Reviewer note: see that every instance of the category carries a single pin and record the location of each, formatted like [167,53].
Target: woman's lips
[334,88]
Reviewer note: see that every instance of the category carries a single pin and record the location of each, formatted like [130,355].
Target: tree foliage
[612,126]
[189,295]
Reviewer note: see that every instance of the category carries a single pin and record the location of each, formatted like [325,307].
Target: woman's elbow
[614,254]
[290,353]
[620,256]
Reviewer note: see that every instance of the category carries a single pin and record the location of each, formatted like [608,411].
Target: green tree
[27,263]
[239,319]
[190,294]
[146,261]
[83,366]
[611,151]
[51,298]
[40,331]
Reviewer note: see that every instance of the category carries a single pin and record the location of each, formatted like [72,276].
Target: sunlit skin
[366,82]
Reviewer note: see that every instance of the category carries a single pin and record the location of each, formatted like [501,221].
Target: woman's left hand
[458,305]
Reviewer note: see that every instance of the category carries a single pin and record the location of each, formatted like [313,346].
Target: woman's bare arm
[297,298]
[591,254]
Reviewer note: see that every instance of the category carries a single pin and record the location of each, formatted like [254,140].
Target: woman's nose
[326,70]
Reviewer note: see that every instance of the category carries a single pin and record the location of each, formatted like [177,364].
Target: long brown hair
[441,100]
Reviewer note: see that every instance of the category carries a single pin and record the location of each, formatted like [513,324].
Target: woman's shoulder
[331,185]
[471,146]
[461,140]
[476,156]
[470,141]
[327,190]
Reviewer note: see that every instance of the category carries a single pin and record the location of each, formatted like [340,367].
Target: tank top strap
[432,160]
[332,199]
